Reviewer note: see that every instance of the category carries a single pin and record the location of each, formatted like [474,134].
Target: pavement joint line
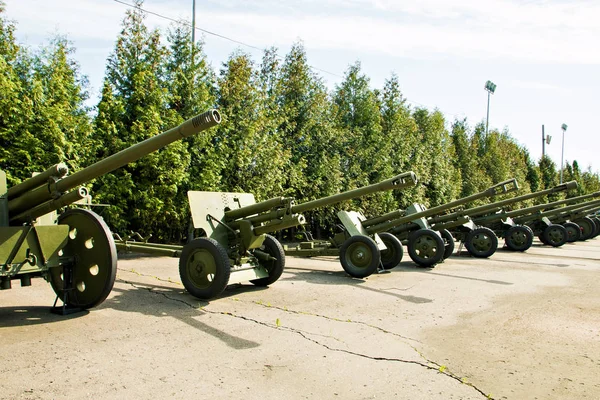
[436,367]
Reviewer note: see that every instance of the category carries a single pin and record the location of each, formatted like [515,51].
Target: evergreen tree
[61,118]
[549,178]
[401,133]
[15,108]
[254,157]
[366,155]
[133,107]
[305,125]
[434,164]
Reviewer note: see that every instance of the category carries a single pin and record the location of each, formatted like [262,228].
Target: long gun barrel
[573,209]
[492,207]
[523,212]
[37,190]
[276,208]
[397,218]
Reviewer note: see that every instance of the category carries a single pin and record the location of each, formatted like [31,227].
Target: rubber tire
[358,243]
[391,257]
[221,264]
[587,227]
[103,241]
[550,235]
[573,232]
[597,222]
[448,242]
[275,267]
[476,250]
[434,240]
[518,238]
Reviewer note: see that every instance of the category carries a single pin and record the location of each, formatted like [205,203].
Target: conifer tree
[253,157]
[133,107]
[365,156]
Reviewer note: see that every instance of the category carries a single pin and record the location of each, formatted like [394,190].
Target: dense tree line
[283,131]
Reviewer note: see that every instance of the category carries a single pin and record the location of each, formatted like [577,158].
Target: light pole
[564,128]
[490,87]
[545,140]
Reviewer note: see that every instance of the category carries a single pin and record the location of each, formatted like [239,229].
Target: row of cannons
[77,253]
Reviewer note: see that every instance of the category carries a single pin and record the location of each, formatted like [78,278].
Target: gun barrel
[497,206]
[394,219]
[42,194]
[49,206]
[256,208]
[56,171]
[525,211]
[401,181]
[575,208]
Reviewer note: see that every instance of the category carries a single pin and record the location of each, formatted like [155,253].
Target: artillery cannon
[425,243]
[532,223]
[415,228]
[236,245]
[516,237]
[75,251]
[573,218]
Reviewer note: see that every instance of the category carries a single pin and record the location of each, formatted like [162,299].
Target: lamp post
[490,87]
[564,128]
[545,140]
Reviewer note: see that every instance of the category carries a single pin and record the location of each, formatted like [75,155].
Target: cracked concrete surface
[516,326]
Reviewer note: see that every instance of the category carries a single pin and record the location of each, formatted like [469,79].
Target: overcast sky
[542,54]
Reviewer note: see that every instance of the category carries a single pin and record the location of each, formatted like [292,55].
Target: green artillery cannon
[425,244]
[415,226]
[580,216]
[75,251]
[531,223]
[572,218]
[236,245]
[516,237]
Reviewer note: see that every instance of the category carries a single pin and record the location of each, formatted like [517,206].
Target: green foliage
[253,156]
[133,108]
[549,178]
[42,117]
[283,133]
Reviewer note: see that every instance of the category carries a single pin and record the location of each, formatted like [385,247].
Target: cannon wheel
[518,238]
[597,223]
[94,253]
[481,242]
[272,247]
[573,231]
[391,256]
[448,242]
[425,247]
[587,227]
[360,256]
[555,235]
[204,268]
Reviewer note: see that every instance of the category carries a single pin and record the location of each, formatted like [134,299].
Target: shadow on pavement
[133,300]
[340,277]
[34,315]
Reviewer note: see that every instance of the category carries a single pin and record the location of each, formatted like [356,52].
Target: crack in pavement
[431,365]
[349,321]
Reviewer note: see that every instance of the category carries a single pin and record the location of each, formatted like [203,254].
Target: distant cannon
[236,246]
[425,242]
[573,218]
[75,251]
[491,216]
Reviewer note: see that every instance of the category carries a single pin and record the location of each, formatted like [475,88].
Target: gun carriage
[237,246]
[74,251]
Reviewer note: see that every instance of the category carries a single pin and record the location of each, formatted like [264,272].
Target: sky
[543,55]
